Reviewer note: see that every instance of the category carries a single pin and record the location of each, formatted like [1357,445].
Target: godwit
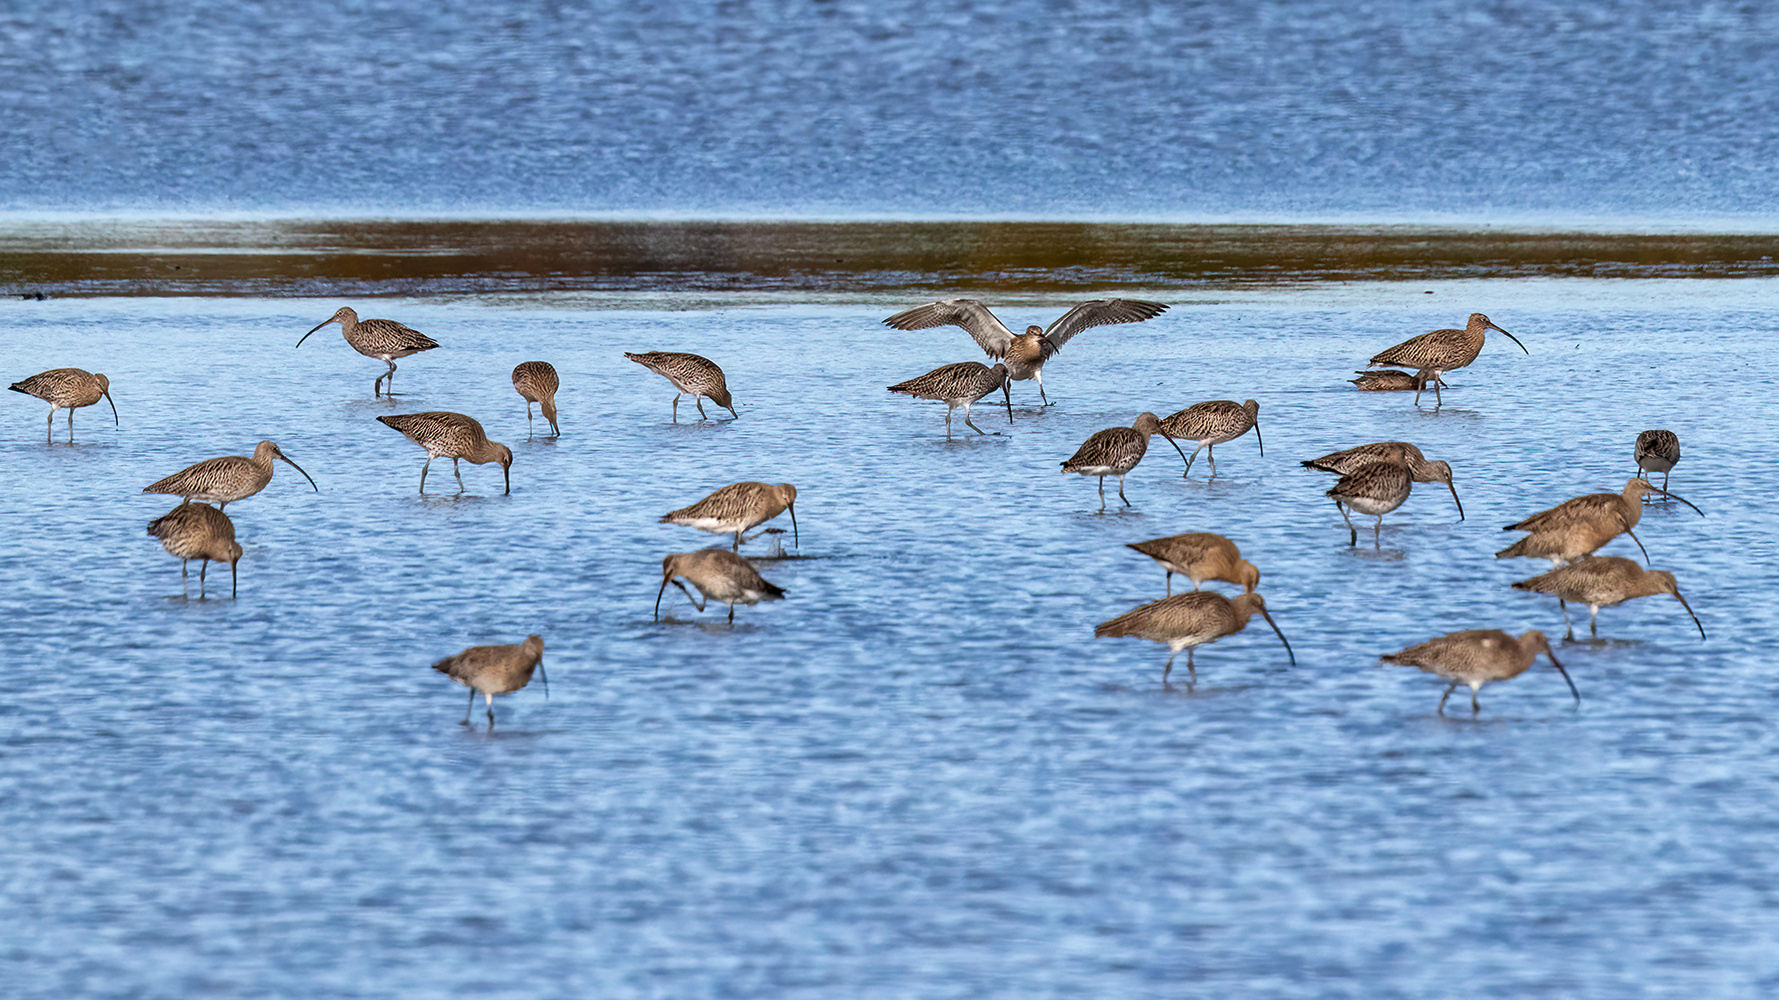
[537,383]
[1184,621]
[1212,423]
[383,339]
[958,385]
[66,389]
[496,670]
[738,507]
[1601,582]
[1393,380]
[719,576]
[1441,351]
[1395,452]
[1200,556]
[224,480]
[453,436]
[1114,452]
[691,374]
[1575,528]
[1024,353]
[1477,657]
[1657,451]
[198,531]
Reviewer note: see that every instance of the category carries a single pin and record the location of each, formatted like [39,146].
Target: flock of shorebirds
[1375,479]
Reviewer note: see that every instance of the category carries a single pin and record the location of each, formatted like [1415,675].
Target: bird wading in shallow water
[1575,528]
[1656,451]
[1601,582]
[1479,656]
[1199,556]
[720,575]
[67,389]
[224,480]
[690,375]
[1434,354]
[492,670]
[198,531]
[958,385]
[1023,353]
[1115,451]
[383,339]
[536,382]
[453,436]
[738,507]
[1184,621]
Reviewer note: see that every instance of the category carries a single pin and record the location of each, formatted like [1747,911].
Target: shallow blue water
[920,774]
[1517,110]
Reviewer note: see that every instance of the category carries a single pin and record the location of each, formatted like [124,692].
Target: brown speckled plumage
[454,436]
[494,670]
[1212,423]
[1601,582]
[67,389]
[1576,527]
[1184,621]
[691,375]
[536,382]
[1114,452]
[1476,657]
[198,531]
[720,575]
[958,385]
[224,480]
[1200,556]
[383,339]
[1657,451]
[738,507]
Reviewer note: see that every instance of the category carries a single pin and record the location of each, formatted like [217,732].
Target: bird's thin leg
[490,698]
[471,708]
[695,601]
[1352,532]
[1102,493]
[1191,671]
[389,380]
[49,436]
[1474,707]
[967,422]
[1438,400]
[1568,629]
[1211,456]
[423,469]
[71,438]
[458,474]
[1170,666]
[182,573]
[1189,459]
[1593,616]
[203,567]
[731,613]
[1039,375]
[1443,697]
[528,420]
[1170,584]
[1121,495]
[737,546]
[699,400]
[1377,531]
[948,410]
[676,407]
[52,413]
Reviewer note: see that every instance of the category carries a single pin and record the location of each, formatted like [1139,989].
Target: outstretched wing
[970,314]
[1100,312]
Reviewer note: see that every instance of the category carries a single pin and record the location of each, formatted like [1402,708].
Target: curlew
[1114,452]
[1184,621]
[1657,451]
[67,389]
[1200,556]
[1023,353]
[198,531]
[1211,424]
[1377,488]
[453,436]
[536,382]
[1436,353]
[1401,453]
[958,385]
[1575,528]
[224,480]
[383,339]
[494,670]
[1394,380]
[1601,582]
[1479,656]
[720,575]
[690,374]
[738,507]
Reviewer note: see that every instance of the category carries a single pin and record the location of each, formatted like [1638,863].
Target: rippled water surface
[919,774]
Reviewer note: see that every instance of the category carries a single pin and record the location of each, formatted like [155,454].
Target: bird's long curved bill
[1455,500]
[1509,336]
[1007,396]
[1566,678]
[1689,610]
[1183,457]
[114,419]
[506,473]
[1281,635]
[545,677]
[1682,499]
[1257,439]
[795,540]
[299,468]
[1640,547]
[323,323]
[658,594]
